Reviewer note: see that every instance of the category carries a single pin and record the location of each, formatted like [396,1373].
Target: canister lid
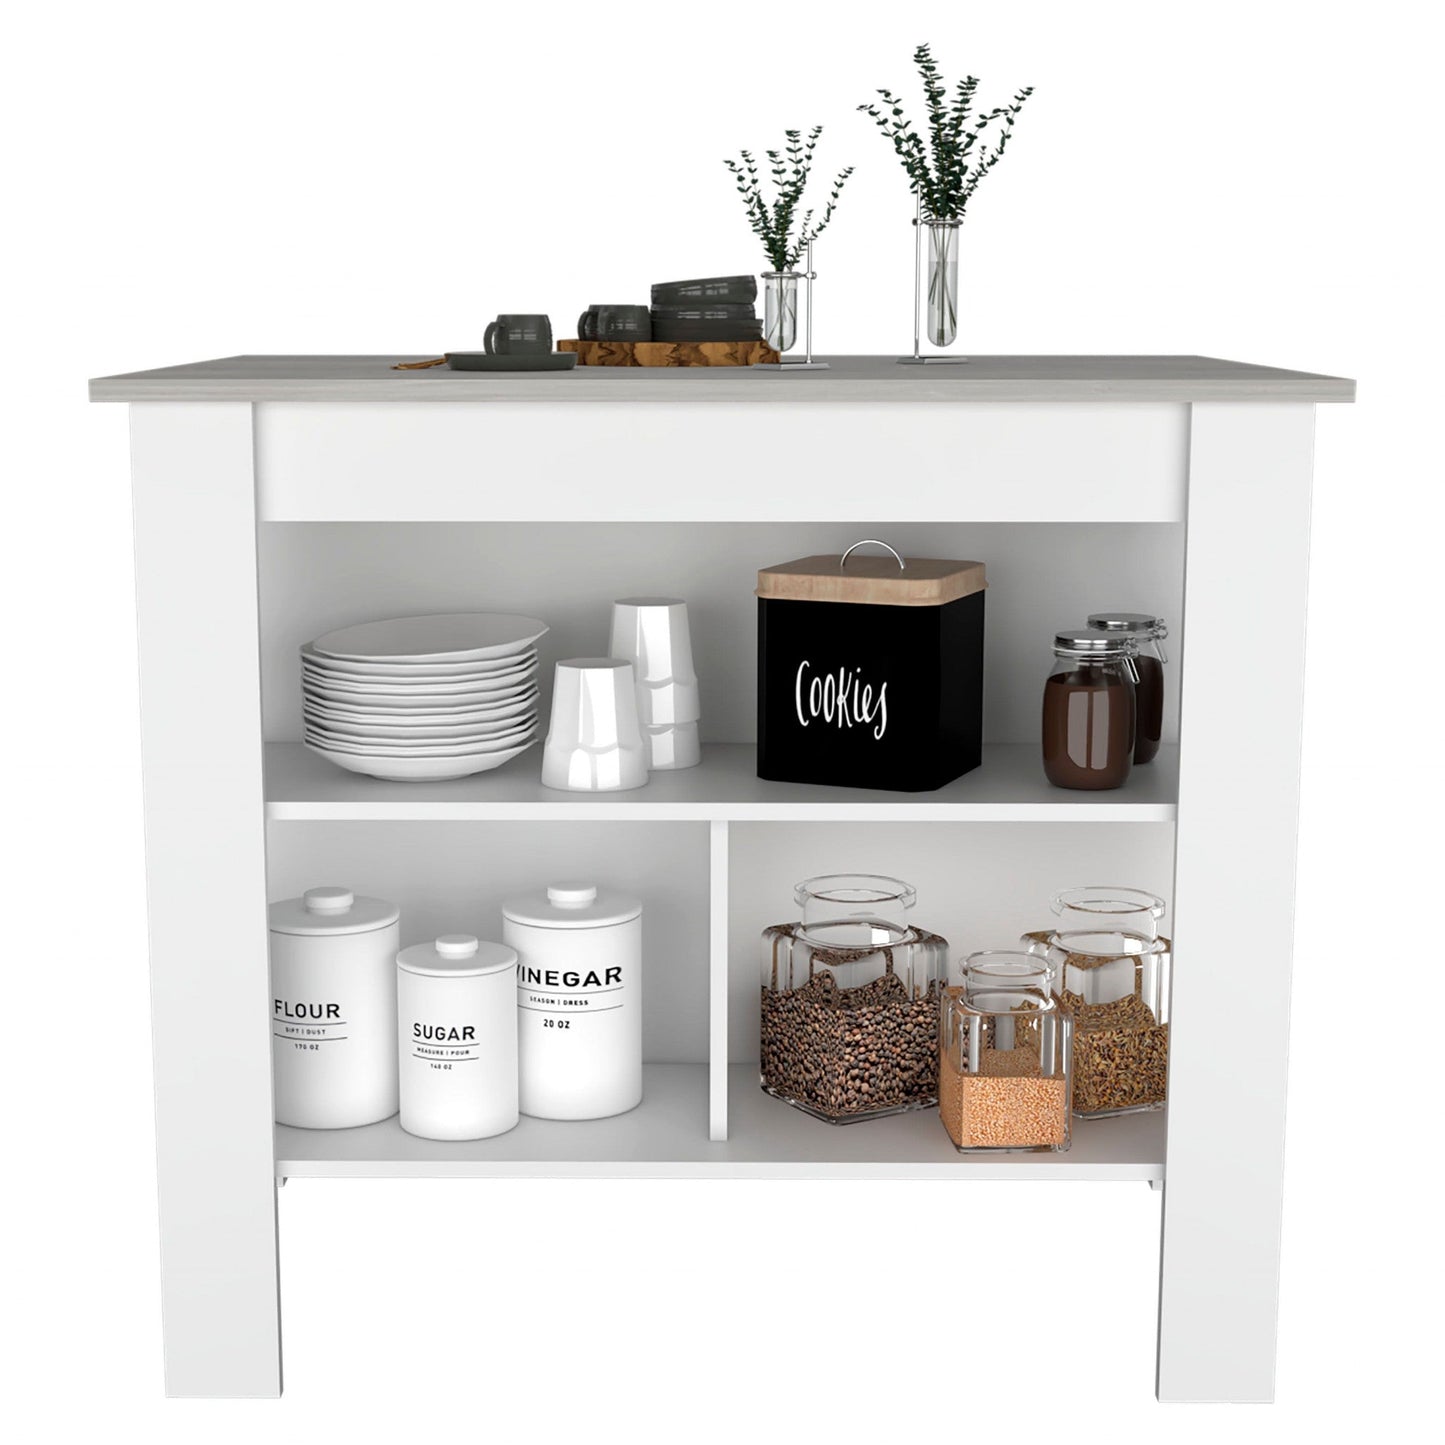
[572,905]
[456,955]
[1095,640]
[331,910]
[891,581]
[1144,623]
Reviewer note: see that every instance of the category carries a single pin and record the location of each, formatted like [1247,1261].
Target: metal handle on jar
[872,542]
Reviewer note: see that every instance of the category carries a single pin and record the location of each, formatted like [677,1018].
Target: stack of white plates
[416,698]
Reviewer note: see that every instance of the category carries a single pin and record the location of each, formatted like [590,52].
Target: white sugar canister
[579,1000]
[457,1021]
[333,1010]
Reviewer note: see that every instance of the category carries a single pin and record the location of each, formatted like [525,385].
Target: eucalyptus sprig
[946,172]
[775,224]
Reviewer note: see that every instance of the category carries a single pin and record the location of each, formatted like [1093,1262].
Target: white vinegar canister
[457,1020]
[333,1009]
[579,1000]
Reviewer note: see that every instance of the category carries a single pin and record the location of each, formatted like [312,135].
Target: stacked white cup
[652,634]
[594,744]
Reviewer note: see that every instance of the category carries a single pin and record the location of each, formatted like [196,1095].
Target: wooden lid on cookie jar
[891,581]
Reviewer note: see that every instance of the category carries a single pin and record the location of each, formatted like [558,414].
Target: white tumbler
[652,633]
[457,1032]
[594,744]
[333,1009]
[579,1000]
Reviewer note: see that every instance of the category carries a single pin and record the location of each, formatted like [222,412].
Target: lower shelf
[666,1138]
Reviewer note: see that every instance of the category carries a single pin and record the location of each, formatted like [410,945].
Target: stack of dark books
[715,308]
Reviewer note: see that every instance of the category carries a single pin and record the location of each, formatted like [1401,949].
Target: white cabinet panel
[724,462]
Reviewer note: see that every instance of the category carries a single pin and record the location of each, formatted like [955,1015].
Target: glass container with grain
[850,996]
[1115,984]
[1005,1058]
[1108,910]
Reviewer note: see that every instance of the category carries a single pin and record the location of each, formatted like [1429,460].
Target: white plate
[318,710]
[394,755]
[437,745]
[411,747]
[344,719]
[424,737]
[507,667]
[418,718]
[421,770]
[316,662]
[415,699]
[407,732]
[456,760]
[482,694]
[443,637]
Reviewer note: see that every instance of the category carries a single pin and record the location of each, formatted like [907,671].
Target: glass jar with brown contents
[1116,987]
[850,996]
[1004,1058]
[1108,910]
[1089,717]
[1149,632]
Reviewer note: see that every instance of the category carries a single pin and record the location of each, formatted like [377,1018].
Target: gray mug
[518,335]
[623,323]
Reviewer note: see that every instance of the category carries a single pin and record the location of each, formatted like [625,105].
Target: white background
[1248,180]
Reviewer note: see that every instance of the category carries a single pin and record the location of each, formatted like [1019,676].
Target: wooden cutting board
[670,353]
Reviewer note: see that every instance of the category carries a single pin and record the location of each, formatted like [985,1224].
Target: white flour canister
[457,1020]
[579,1000]
[333,1010]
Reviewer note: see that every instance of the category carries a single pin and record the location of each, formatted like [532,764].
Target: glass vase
[780,308]
[941,321]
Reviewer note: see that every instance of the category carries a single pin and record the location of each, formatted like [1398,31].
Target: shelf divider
[718,985]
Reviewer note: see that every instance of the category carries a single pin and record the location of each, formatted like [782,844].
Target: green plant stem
[945,173]
[784,236]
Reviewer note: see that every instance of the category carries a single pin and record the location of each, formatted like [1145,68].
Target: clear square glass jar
[850,997]
[1109,910]
[1116,987]
[1004,1065]
[992,969]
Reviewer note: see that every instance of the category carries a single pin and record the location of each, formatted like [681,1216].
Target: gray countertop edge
[852,380]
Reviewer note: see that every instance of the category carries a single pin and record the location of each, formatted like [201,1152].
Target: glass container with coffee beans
[1110,968]
[1090,709]
[1149,632]
[850,999]
[1005,1057]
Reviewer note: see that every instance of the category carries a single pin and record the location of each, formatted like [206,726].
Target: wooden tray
[670,353]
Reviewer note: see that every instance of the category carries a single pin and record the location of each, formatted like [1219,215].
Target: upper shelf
[1010,787]
[849,379]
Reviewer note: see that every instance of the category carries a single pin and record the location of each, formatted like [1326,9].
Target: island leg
[196,598]
[1246,581]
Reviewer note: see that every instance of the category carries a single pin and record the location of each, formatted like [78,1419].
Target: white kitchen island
[277,497]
